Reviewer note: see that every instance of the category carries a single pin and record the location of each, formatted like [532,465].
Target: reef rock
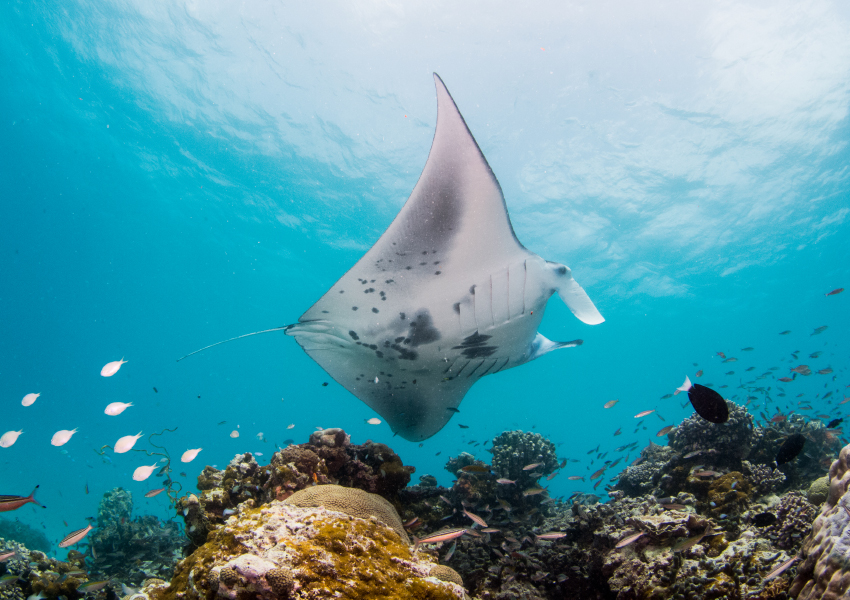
[284,551]
[131,550]
[328,458]
[825,571]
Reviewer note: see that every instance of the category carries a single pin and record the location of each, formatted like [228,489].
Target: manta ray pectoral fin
[574,296]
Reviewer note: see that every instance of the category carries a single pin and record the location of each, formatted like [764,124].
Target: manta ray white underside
[445,296]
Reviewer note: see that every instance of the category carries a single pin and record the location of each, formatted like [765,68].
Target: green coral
[818,491]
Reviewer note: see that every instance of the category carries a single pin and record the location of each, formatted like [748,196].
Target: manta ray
[447,295]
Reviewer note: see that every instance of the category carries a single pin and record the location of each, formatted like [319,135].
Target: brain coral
[444,573]
[825,571]
[350,501]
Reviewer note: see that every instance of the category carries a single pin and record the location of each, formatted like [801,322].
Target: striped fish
[74,537]
[8,503]
[475,518]
[780,569]
[443,535]
[93,586]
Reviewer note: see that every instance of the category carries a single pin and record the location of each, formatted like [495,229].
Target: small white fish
[61,437]
[190,455]
[116,408]
[234,434]
[258,453]
[126,443]
[373,421]
[110,369]
[376,379]
[644,413]
[290,426]
[143,473]
[29,399]
[9,438]
[260,437]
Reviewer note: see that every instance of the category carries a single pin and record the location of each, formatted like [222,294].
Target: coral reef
[730,441]
[351,501]
[24,534]
[642,478]
[818,491]
[328,458]
[764,479]
[39,575]
[794,516]
[514,450]
[826,552]
[129,549]
[820,449]
[282,551]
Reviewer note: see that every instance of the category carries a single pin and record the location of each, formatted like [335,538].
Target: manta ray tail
[238,337]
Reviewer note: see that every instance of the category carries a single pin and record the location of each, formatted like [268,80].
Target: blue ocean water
[177,175]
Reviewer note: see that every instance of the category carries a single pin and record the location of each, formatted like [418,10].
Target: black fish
[764,519]
[155,391]
[463,426]
[834,423]
[790,449]
[324,384]
[709,404]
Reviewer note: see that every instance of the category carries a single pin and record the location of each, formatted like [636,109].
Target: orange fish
[8,503]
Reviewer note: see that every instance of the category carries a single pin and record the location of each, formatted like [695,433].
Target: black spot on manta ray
[422,330]
[408,268]
[472,290]
[354,335]
[475,346]
[374,310]
[438,272]
[402,316]
[456,307]
[353,308]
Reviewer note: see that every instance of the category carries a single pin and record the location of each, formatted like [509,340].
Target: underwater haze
[176,174]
